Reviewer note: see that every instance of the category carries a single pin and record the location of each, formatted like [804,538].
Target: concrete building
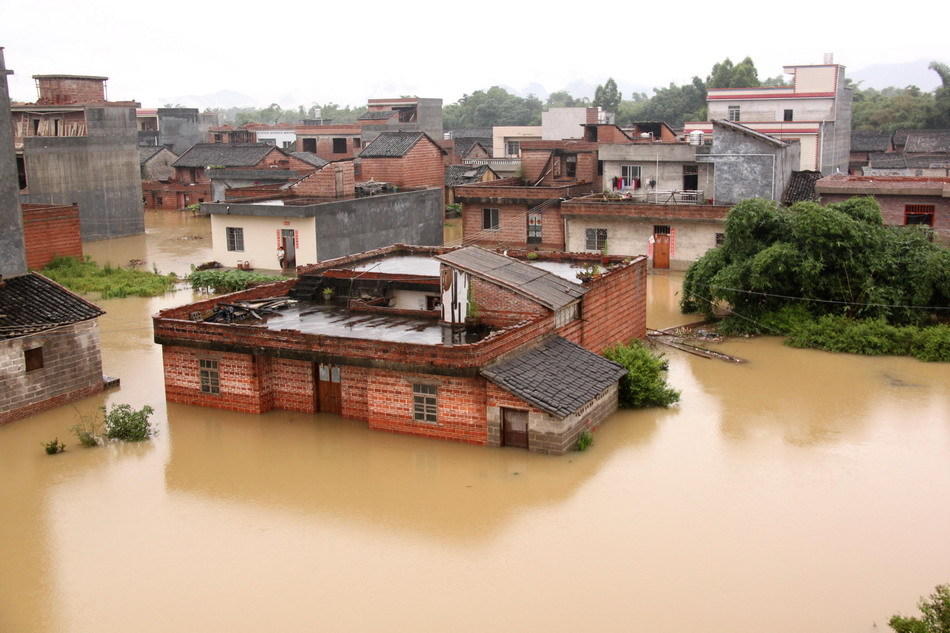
[412,114]
[49,337]
[507,139]
[77,147]
[389,337]
[749,164]
[318,218]
[815,111]
[568,123]
[12,252]
[174,128]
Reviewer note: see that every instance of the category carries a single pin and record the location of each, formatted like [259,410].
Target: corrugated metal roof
[539,285]
[32,303]
[556,376]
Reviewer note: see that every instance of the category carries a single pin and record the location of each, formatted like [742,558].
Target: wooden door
[661,251]
[514,428]
[328,388]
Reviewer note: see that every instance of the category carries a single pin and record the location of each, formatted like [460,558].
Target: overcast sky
[347,52]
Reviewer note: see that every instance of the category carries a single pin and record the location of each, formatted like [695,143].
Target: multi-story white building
[815,111]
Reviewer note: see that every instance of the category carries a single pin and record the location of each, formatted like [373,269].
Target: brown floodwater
[801,491]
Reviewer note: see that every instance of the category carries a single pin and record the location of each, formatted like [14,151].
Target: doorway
[661,251]
[290,253]
[328,389]
[514,428]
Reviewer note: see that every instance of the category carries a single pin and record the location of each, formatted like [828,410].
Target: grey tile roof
[223,155]
[376,115]
[32,303]
[888,160]
[464,174]
[147,151]
[538,285]
[801,187]
[862,141]
[556,375]
[928,142]
[310,157]
[473,132]
[391,144]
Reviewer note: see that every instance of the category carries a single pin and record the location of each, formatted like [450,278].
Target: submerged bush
[54,446]
[644,385]
[122,422]
[213,280]
[109,281]
[585,439]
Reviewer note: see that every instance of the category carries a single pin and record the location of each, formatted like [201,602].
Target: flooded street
[801,491]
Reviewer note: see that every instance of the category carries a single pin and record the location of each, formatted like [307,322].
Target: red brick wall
[63,90]
[892,209]
[322,183]
[292,385]
[534,163]
[512,226]
[240,380]
[50,232]
[421,167]
[495,301]
[614,309]
[460,403]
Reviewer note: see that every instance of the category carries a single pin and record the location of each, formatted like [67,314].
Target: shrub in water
[585,440]
[125,423]
[54,446]
[644,385]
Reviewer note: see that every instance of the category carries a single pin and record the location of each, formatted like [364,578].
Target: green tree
[935,612]
[563,99]
[607,96]
[495,106]
[940,116]
[726,75]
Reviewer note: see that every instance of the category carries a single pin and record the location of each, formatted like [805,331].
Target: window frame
[234,238]
[788,115]
[33,359]
[923,214]
[338,143]
[425,403]
[595,239]
[734,113]
[512,144]
[627,171]
[209,376]
[491,219]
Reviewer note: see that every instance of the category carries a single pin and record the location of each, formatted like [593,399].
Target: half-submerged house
[467,345]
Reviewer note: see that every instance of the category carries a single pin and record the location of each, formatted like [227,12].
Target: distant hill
[899,75]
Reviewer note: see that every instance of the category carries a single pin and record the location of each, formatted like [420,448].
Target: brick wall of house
[240,387]
[421,166]
[174,196]
[49,232]
[535,163]
[614,309]
[497,302]
[512,229]
[72,369]
[892,209]
[67,90]
[460,406]
[323,182]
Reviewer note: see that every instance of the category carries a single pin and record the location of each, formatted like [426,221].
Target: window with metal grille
[720,238]
[661,229]
[235,238]
[208,373]
[788,115]
[919,214]
[733,113]
[33,358]
[690,170]
[490,219]
[595,239]
[424,403]
[339,146]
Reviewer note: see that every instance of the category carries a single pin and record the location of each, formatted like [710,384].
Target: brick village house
[388,337]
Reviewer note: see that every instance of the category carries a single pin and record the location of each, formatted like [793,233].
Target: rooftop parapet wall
[597,206]
[491,190]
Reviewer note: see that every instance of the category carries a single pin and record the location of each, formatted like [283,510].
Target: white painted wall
[632,237]
[261,240]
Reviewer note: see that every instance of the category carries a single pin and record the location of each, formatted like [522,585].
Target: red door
[661,251]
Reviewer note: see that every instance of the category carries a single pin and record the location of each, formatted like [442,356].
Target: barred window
[661,229]
[733,113]
[720,238]
[596,239]
[424,403]
[208,373]
[919,214]
[235,238]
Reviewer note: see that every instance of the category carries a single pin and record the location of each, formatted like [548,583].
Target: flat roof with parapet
[421,265]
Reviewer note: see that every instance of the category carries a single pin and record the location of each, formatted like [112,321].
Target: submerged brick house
[394,345]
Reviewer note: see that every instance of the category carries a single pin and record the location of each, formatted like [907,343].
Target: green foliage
[832,277]
[217,280]
[492,107]
[122,422]
[110,282]
[563,99]
[935,612]
[54,446]
[607,96]
[644,385]
[726,75]
[88,431]
[584,440]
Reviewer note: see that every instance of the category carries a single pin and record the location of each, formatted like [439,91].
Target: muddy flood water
[800,492]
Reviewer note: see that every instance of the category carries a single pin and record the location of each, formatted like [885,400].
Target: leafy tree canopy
[607,96]
[726,75]
[495,106]
[935,612]
[835,259]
